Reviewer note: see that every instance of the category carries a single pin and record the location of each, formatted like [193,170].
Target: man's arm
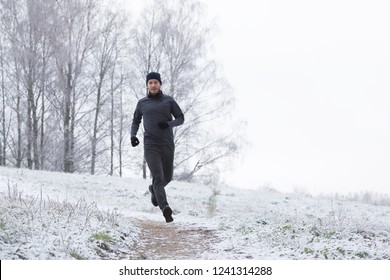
[137,117]
[178,114]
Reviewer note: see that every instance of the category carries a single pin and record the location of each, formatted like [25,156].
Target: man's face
[154,86]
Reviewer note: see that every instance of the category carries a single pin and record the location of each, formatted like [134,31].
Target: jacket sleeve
[137,117]
[177,113]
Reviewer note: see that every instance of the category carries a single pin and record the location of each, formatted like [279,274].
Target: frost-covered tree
[173,37]
[108,53]
[71,72]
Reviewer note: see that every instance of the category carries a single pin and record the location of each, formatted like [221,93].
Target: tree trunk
[72,129]
[112,144]
[43,109]
[42,137]
[95,124]
[19,120]
[68,165]
[29,131]
[32,122]
[121,135]
[35,136]
[3,141]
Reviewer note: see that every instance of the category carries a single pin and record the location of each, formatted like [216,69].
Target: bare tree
[175,40]
[72,40]
[30,38]
[64,70]
[10,26]
[147,49]
[110,41]
[118,119]
[26,24]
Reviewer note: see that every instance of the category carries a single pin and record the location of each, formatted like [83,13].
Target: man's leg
[153,196]
[167,161]
[154,160]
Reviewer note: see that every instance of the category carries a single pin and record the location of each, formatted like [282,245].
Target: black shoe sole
[167,212]
[153,198]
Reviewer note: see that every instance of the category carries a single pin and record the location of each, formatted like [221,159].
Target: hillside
[47,215]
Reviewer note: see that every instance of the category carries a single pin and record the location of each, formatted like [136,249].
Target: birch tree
[33,57]
[176,39]
[10,25]
[72,41]
[146,56]
[66,68]
[110,42]
[119,119]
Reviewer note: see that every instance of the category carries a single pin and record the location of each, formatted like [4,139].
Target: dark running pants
[160,162]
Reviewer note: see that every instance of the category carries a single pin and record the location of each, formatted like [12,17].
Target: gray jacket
[153,110]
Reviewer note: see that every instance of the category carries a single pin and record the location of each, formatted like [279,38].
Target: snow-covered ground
[48,215]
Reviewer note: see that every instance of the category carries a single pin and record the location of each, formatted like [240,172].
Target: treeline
[71,72]
[367,197]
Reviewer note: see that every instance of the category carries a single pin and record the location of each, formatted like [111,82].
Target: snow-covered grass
[32,227]
[48,215]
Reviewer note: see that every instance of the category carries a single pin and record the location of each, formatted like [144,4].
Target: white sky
[312,79]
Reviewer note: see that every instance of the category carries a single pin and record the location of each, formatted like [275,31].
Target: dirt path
[171,241]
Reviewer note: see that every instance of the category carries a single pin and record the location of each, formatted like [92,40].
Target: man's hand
[163,125]
[134,141]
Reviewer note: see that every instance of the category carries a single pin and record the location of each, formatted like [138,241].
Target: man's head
[153,81]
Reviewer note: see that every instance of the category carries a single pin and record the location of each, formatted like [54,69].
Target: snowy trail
[171,241]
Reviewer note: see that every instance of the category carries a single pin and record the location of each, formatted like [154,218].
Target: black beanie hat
[153,76]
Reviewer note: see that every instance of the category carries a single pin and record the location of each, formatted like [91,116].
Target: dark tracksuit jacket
[159,144]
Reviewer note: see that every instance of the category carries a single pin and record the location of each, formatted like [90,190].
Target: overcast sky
[312,79]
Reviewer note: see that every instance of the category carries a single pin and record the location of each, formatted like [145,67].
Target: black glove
[163,125]
[134,141]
